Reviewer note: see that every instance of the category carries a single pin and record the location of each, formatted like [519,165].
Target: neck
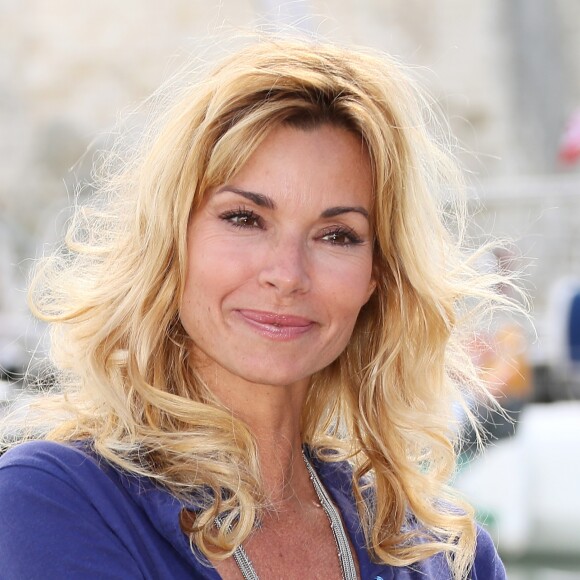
[273,415]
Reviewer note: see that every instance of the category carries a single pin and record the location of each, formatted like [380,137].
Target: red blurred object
[570,145]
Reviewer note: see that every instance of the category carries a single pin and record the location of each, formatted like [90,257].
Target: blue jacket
[66,515]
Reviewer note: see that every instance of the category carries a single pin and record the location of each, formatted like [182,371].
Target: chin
[278,379]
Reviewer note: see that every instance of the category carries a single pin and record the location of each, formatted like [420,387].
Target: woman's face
[280,259]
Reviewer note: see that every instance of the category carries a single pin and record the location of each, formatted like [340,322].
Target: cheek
[348,289]
[344,305]
[215,270]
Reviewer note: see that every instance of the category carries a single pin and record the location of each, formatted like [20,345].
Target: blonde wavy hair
[112,298]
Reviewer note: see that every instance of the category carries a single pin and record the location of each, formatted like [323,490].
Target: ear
[372,288]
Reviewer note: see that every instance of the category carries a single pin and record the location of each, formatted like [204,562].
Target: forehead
[325,164]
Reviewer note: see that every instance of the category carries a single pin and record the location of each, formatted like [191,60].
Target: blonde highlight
[112,299]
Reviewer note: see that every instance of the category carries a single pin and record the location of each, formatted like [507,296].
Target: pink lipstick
[276,326]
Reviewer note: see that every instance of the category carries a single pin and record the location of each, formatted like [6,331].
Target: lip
[276,326]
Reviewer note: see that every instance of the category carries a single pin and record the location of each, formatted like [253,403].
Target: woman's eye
[341,237]
[242,218]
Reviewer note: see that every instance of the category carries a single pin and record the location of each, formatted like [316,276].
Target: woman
[258,343]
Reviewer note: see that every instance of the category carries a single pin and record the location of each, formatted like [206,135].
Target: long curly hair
[112,296]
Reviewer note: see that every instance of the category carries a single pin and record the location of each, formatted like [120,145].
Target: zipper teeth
[338,531]
[241,557]
[244,564]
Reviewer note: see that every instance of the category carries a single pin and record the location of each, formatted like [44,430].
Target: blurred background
[507,77]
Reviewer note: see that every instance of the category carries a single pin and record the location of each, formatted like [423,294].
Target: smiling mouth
[276,326]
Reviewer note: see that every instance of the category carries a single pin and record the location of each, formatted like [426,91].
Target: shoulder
[45,455]
[45,460]
[45,480]
[102,522]
[58,495]
[52,464]
[70,474]
[487,564]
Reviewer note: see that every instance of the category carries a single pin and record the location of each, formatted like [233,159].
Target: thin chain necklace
[342,545]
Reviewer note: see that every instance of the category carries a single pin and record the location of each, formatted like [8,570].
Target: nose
[285,267]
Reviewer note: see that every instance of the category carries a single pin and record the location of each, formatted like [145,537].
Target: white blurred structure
[12,308]
[527,488]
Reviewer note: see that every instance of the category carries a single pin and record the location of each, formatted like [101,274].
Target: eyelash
[352,237]
[232,217]
[242,214]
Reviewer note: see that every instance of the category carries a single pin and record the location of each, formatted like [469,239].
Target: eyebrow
[257,198]
[262,200]
[338,210]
